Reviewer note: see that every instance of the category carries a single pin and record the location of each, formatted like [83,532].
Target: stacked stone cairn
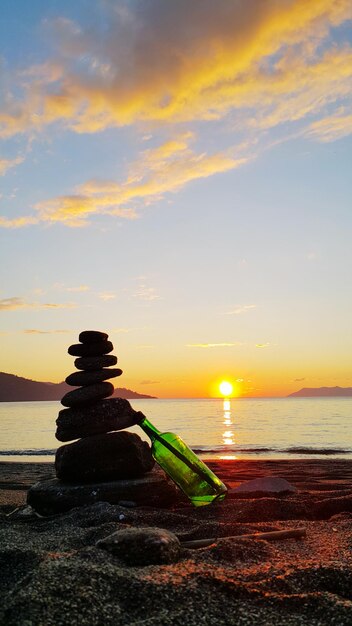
[104,464]
[99,454]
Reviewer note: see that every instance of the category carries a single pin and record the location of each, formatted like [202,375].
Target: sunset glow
[177,175]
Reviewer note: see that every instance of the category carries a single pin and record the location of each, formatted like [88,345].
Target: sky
[178,175]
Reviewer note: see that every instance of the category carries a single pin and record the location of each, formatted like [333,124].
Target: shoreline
[54,572]
[308,475]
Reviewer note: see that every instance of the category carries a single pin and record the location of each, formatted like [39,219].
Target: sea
[236,428]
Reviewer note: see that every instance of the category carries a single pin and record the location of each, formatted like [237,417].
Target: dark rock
[95,362]
[86,395]
[142,546]
[104,457]
[267,485]
[101,417]
[49,497]
[91,336]
[81,379]
[91,349]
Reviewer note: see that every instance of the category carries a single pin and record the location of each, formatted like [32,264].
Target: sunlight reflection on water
[220,428]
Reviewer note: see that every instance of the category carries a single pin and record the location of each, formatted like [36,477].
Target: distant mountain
[17,389]
[316,392]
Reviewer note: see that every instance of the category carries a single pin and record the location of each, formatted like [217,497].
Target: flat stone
[142,546]
[49,497]
[78,379]
[87,395]
[104,457]
[91,349]
[91,336]
[266,485]
[101,417]
[95,362]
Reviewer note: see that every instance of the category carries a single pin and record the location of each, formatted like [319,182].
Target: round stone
[142,546]
[49,497]
[104,457]
[91,336]
[91,349]
[101,417]
[78,379]
[87,395]
[91,363]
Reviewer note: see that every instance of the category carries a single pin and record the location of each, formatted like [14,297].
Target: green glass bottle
[195,479]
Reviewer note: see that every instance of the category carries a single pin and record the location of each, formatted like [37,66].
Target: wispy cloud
[242,308]
[145,292]
[18,222]
[332,127]
[107,295]
[34,331]
[78,289]
[11,304]
[149,382]
[263,345]
[161,170]
[7,164]
[58,286]
[213,345]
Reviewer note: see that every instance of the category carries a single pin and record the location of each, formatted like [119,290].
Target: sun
[226,388]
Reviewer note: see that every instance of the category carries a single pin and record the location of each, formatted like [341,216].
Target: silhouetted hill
[316,392]
[17,389]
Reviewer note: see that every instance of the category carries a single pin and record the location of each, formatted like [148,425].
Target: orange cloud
[107,295]
[18,222]
[256,64]
[11,304]
[297,89]
[163,169]
[179,62]
[213,345]
[34,331]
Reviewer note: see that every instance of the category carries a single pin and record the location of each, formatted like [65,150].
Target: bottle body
[195,479]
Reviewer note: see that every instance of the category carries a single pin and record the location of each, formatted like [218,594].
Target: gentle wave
[292,450]
[327,451]
[31,452]
[211,449]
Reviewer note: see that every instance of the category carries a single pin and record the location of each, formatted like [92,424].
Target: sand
[51,571]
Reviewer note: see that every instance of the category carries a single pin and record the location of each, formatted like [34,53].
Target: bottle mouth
[139,417]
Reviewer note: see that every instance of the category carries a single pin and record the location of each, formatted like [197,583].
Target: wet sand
[53,573]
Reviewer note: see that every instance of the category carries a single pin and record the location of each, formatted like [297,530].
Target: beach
[52,571]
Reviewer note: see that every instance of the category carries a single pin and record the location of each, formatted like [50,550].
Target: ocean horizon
[236,428]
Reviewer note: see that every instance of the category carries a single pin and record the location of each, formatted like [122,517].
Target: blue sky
[178,176]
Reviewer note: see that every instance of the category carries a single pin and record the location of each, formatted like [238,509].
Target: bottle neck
[148,428]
